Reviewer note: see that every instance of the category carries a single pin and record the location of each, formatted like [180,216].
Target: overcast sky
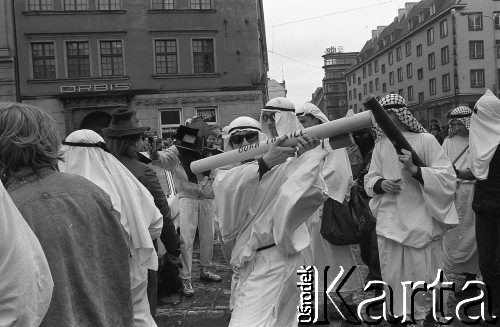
[305,41]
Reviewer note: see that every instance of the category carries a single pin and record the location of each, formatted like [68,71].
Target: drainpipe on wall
[16,62]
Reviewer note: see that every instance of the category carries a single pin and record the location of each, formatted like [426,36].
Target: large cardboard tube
[333,128]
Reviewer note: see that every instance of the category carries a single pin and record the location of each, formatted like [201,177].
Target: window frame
[483,77]
[420,74]
[200,3]
[100,56]
[163,4]
[399,53]
[431,63]
[32,61]
[155,54]
[109,3]
[409,93]
[391,78]
[432,86]
[472,27]
[408,48]
[443,28]
[75,4]
[32,4]
[445,55]
[419,50]
[66,58]
[214,53]
[473,50]
[390,58]
[430,36]
[409,70]
[400,74]
[215,108]
[446,86]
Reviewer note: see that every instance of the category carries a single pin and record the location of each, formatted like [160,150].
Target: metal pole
[495,53]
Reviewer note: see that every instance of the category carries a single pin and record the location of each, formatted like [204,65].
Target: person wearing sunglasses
[262,207]
[278,117]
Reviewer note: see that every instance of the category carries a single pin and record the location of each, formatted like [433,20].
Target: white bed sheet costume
[140,218]
[25,281]
[258,213]
[338,177]
[411,224]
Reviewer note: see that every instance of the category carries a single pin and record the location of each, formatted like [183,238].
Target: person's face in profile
[458,127]
[269,118]
[308,120]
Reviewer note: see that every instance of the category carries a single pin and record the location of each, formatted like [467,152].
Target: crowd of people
[82,220]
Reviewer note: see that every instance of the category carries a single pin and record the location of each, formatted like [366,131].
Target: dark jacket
[148,178]
[85,246]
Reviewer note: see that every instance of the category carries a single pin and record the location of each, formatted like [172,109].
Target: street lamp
[495,15]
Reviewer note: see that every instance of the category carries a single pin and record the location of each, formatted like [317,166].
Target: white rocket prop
[323,131]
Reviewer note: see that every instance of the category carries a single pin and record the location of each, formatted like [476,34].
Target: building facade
[276,89]
[336,63]
[7,59]
[437,54]
[318,99]
[167,59]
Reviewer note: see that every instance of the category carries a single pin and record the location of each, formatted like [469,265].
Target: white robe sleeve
[337,173]
[169,158]
[439,182]
[25,281]
[234,190]
[302,193]
[375,171]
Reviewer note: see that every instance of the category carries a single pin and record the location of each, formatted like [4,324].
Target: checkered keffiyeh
[397,104]
[463,114]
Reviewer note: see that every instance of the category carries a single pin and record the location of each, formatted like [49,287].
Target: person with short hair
[124,137]
[412,205]
[74,221]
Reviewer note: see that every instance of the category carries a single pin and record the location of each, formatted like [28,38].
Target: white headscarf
[129,197]
[484,134]
[285,120]
[25,283]
[462,114]
[309,108]
[242,124]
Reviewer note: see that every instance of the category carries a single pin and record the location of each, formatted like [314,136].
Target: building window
[74,5]
[475,22]
[401,92]
[445,55]
[420,97]
[209,114]
[354,93]
[477,78]
[44,60]
[370,86]
[408,48]
[497,43]
[432,60]
[390,58]
[399,54]
[384,87]
[400,74]
[476,49]
[203,56]
[200,4]
[430,36]
[496,18]
[111,58]
[410,24]
[162,4]
[432,86]
[364,89]
[166,57]
[370,69]
[350,95]
[353,78]
[359,80]
[446,82]
[364,72]
[375,66]
[409,70]
[359,97]
[348,79]
[443,28]
[110,4]
[170,119]
[377,84]
[420,17]
[420,73]
[432,9]
[355,107]
[410,93]
[77,54]
[383,68]
[40,5]
[391,78]
[419,50]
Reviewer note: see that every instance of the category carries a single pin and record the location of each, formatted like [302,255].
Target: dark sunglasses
[266,117]
[250,137]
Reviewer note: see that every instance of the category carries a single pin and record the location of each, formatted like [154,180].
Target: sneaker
[209,276]
[187,288]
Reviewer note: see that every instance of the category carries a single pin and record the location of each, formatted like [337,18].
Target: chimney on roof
[380,29]
[408,7]
[374,35]
[401,14]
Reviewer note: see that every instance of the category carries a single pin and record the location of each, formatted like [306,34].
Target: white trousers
[196,213]
[266,293]
[140,303]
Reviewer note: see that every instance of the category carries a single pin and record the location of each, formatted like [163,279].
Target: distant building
[336,63]
[437,54]
[7,50]
[168,60]
[276,89]
[318,99]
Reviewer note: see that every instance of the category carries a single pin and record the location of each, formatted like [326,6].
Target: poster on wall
[209,114]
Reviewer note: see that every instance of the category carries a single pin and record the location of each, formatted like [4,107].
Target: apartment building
[7,60]
[336,63]
[167,59]
[437,54]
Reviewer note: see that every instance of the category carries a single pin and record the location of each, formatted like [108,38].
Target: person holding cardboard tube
[263,206]
[412,205]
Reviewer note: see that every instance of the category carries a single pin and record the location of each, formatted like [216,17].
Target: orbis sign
[93,88]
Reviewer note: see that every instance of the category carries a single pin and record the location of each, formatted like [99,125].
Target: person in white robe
[263,206]
[338,177]
[25,281]
[412,205]
[459,244]
[84,154]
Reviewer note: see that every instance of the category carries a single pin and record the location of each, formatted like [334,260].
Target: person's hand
[391,186]
[306,143]
[277,153]
[406,160]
